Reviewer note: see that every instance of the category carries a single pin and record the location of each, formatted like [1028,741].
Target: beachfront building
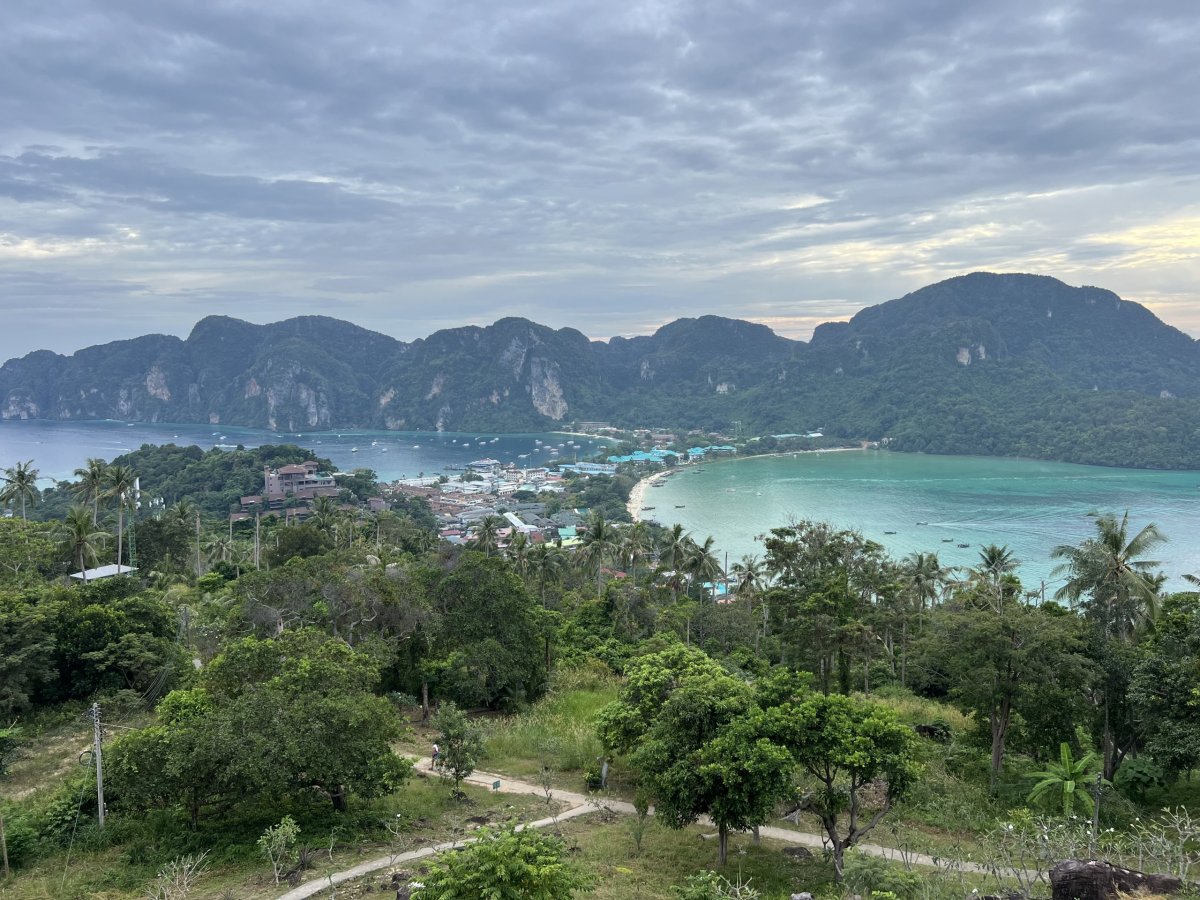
[590,468]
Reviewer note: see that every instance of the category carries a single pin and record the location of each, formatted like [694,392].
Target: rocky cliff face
[995,343]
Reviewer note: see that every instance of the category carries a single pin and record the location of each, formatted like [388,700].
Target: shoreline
[637,495]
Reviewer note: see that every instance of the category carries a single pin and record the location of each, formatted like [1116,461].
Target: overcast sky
[605,165]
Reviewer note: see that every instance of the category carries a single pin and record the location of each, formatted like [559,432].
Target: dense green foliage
[1010,365]
[213,480]
[240,690]
[265,719]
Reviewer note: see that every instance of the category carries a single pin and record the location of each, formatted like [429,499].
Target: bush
[504,863]
[711,886]
[872,876]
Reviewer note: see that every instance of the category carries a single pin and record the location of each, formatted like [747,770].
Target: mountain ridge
[971,364]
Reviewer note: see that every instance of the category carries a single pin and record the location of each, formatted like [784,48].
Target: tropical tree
[546,563]
[1165,689]
[635,546]
[20,483]
[691,733]
[460,744]
[846,747]
[923,576]
[517,553]
[291,715]
[1111,570]
[1118,588]
[79,535]
[121,480]
[996,564]
[487,534]
[220,548]
[600,543]
[1066,781]
[93,478]
[1028,662]
[183,513]
[324,515]
[672,555]
[921,581]
[701,564]
[749,576]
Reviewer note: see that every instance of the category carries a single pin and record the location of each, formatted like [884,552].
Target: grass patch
[120,863]
[603,847]
[558,731]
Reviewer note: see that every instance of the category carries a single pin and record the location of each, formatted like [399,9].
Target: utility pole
[1096,814]
[197,545]
[257,517]
[97,739]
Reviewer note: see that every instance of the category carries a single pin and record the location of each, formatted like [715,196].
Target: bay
[58,448]
[1028,505]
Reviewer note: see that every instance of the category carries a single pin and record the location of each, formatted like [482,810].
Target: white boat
[353,449]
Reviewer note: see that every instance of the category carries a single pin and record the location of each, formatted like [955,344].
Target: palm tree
[92,479]
[345,523]
[324,514]
[600,542]
[635,546]
[546,563]
[749,579]
[518,553]
[922,576]
[182,513]
[487,534]
[80,536]
[1109,569]
[1068,779]
[672,555]
[20,483]
[219,548]
[120,486]
[749,576]
[996,563]
[702,564]
[1122,591]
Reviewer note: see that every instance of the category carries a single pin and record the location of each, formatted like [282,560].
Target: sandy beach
[637,496]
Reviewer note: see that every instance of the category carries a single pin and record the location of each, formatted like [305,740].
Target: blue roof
[643,456]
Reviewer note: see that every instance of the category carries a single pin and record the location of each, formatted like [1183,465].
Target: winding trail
[580,805]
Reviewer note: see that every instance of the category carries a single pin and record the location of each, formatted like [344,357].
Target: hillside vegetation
[1016,365]
[836,692]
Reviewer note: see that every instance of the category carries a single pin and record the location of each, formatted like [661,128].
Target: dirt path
[580,805]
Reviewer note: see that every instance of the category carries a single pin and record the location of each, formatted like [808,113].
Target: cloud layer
[603,165]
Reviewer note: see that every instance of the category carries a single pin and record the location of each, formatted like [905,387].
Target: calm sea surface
[58,448]
[1030,506]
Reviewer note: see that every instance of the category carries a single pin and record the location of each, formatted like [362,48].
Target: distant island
[995,364]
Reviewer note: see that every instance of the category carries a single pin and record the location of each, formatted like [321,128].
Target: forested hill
[992,364]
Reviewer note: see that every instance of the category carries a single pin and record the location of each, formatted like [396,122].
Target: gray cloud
[605,166]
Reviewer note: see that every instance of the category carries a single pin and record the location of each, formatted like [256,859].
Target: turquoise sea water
[58,448]
[1030,506]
